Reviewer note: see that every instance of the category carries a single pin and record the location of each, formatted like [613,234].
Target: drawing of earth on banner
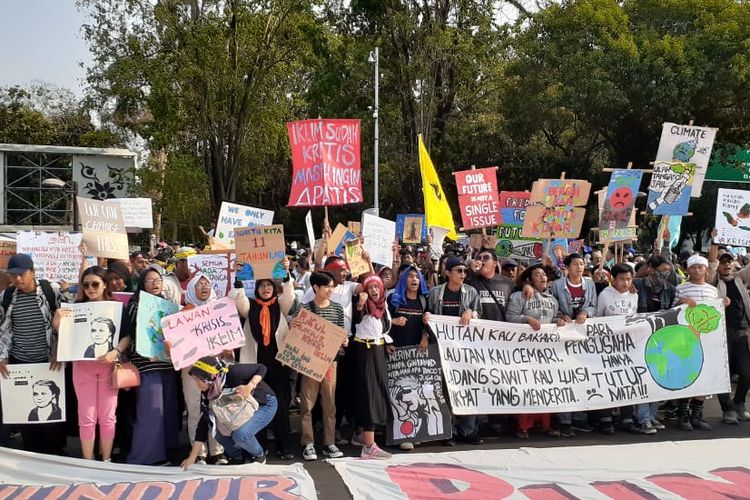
[674,354]
[247,274]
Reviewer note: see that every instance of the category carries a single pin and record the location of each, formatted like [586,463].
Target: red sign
[326,159]
[477,196]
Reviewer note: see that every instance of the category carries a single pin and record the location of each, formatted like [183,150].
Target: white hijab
[191,297]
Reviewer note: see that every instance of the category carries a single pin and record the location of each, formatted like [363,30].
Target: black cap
[20,263]
[509,263]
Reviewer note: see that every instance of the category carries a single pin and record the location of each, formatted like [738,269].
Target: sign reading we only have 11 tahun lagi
[494,367]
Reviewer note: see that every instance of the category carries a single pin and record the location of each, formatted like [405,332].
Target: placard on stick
[554,209]
[311,345]
[7,250]
[733,217]
[261,250]
[56,256]
[478,198]
[353,255]
[103,228]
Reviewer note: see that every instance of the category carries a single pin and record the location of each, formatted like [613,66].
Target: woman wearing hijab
[368,351]
[407,305]
[265,328]
[212,376]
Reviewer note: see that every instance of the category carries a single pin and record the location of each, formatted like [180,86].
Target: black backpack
[49,294]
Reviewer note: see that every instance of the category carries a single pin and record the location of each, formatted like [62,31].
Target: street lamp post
[374,58]
[67,188]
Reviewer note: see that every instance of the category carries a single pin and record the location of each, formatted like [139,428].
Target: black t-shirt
[735,311]
[654,301]
[411,332]
[451,303]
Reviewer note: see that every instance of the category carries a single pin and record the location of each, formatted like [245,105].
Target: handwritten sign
[688,144]
[311,345]
[733,217]
[354,227]
[477,197]
[56,256]
[203,331]
[33,394]
[219,268]
[261,250]
[411,229]
[136,212]
[149,337]
[554,208]
[233,215]
[103,228]
[353,255]
[7,250]
[513,207]
[90,331]
[378,238]
[326,160]
[669,190]
[619,201]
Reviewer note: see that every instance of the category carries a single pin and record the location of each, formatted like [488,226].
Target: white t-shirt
[699,293]
[613,303]
[343,295]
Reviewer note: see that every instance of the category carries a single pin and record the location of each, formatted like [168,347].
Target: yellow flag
[436,208]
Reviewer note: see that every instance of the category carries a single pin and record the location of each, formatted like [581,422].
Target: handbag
[124,376]
[231,411]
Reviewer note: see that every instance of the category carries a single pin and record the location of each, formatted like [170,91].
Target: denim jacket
[469,300]
[560,291]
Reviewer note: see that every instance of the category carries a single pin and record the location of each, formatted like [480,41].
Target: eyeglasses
[94,285]
[203,285]
[485,257]
[154,281]
[461,270]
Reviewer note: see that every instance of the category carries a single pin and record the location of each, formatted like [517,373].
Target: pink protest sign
[203,331]
[477,196]
[123,297]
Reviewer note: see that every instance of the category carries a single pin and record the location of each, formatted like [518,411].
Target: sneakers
[581,426]
[309,452]
[406,446]
[742,413]
[607,428]
[657,425]
[566,431]
[700,424]
[285,455]
[341,439]
[201,460]
[474,439]
[729,417]
[259,460]
[356,440]
[645,428]
[332,451]
[374,452]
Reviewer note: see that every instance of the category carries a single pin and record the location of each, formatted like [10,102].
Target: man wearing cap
[494,288]
[26,336]
[733,285]
[509,269]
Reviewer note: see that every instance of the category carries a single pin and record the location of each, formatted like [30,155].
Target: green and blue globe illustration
[674,354]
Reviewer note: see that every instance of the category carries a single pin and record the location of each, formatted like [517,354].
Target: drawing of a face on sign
[417,410]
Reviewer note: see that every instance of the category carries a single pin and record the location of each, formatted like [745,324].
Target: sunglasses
[94,285]
[461,270]
[485,257]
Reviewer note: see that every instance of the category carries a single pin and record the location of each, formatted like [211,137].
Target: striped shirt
[333,313]
[699,293]
[29,340]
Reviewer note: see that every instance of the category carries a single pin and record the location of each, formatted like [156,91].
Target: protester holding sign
[97,400]
[156,420]
[265,328]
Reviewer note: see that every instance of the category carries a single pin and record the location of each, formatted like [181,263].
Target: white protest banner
[32,475]
[494,367]
[688,144]
[56,256]
[233,215]
[136,212]
[203,331]
[103,228]
[733,217]
[700,469]
[419,407]
[378,235]
[89,331]
[32,394]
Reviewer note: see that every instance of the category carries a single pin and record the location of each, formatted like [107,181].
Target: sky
[41,40]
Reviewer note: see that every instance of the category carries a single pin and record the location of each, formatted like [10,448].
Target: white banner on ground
[494,367]
[56,256]
[716,468]
[27,475]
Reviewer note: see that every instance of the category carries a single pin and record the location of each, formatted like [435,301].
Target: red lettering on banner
[622,490]
[549,491]
[7,491]
[689,486]
[155,490]
[27,492]
[436,481]
[276,487]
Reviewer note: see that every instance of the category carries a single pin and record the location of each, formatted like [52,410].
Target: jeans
[244,437]
[645,412]
[467,425]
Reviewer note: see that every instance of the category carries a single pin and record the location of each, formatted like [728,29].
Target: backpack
[47,290]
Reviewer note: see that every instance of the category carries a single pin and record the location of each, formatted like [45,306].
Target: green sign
[730,163]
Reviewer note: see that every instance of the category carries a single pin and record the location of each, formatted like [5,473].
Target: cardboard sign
[378,238]
[203,331]
[103,228]
[56,256]
[136,212]
[477,197]
[90,332]
[669,190]
[560,192]
[688,144]
[419,407]
[618,234]
[233,215]
[733,217]
[411,229]
[552,212]
[353,255]
[326,160]
[354,227]
[311,346]
[513,207]
[620,201]
[149,337]
[261,251]
[336,237]
[219,268]
[7,250]
[33,394]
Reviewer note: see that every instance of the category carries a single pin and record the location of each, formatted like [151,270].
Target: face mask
[660,277]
